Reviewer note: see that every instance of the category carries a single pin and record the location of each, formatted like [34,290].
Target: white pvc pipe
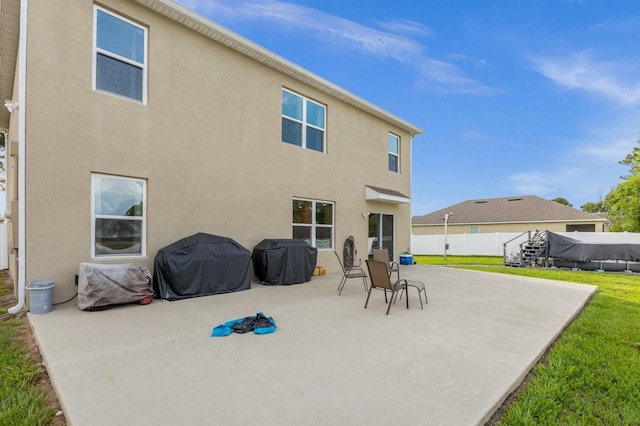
[22,140]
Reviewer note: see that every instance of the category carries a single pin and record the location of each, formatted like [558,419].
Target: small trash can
[40,296]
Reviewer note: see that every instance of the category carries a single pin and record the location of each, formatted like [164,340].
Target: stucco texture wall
[208,143]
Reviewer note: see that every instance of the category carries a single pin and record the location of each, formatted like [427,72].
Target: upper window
[302,121]
[394,152]
[118,213]
[313,222]
[120,56]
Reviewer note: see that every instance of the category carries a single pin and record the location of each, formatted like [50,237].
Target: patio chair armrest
[356,269]
[394,267]
[357,265]
[401,283]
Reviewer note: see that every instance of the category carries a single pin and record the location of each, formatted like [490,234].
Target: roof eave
[222,35]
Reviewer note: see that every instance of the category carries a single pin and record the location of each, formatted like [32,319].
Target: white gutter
[22,123]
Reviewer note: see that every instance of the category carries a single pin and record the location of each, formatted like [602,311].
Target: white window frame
[96,51]
[313,225]
[306,124]
[394,154]
[95,177]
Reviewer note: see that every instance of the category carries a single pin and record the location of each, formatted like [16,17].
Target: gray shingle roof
[528,208]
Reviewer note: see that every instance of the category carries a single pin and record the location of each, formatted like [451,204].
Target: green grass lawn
[592,374]
[22,401]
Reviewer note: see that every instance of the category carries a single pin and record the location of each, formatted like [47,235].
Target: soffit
[222,35]
[9,36]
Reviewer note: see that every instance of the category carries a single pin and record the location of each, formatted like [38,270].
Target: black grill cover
[283,262]
[201,265]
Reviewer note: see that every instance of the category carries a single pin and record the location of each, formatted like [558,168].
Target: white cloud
[576,184]
[313,22]
[608,141]
[479,63]
[611,150]
[443,76]
[327,28]
[530,182]
[473,134]
[587,167]
[580,170]
[581,72]
[403,26]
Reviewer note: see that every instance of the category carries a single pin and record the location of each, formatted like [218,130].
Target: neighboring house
[138,122]
[508,214]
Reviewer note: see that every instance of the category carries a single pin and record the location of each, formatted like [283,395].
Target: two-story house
[131,124]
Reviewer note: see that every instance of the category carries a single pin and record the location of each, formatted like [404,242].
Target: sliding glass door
[381,228]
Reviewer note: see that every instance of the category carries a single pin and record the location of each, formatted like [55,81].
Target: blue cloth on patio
[259,324]
[225,329]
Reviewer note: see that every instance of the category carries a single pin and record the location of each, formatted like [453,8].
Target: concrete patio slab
[330,362]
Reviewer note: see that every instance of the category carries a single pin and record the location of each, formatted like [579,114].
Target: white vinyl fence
[492,244]
[462,244]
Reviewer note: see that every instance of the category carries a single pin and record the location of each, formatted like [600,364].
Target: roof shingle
[528,208]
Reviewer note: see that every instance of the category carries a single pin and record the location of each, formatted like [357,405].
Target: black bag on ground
[251,323]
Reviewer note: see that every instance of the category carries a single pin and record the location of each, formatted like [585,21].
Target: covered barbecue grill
[283,262]
[201,265]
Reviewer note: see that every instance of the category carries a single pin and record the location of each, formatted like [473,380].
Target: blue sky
[529,97]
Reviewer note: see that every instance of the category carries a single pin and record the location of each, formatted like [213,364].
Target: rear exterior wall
[208,143]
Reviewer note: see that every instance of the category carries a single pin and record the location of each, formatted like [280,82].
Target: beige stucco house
[507,214]
[135,123]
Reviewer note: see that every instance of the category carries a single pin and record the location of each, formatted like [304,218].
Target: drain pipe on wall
[22,140]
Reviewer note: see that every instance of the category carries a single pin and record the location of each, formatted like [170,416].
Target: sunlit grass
[3,290]
[592,374]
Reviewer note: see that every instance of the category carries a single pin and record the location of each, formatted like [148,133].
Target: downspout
[22,140]
[410,248]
